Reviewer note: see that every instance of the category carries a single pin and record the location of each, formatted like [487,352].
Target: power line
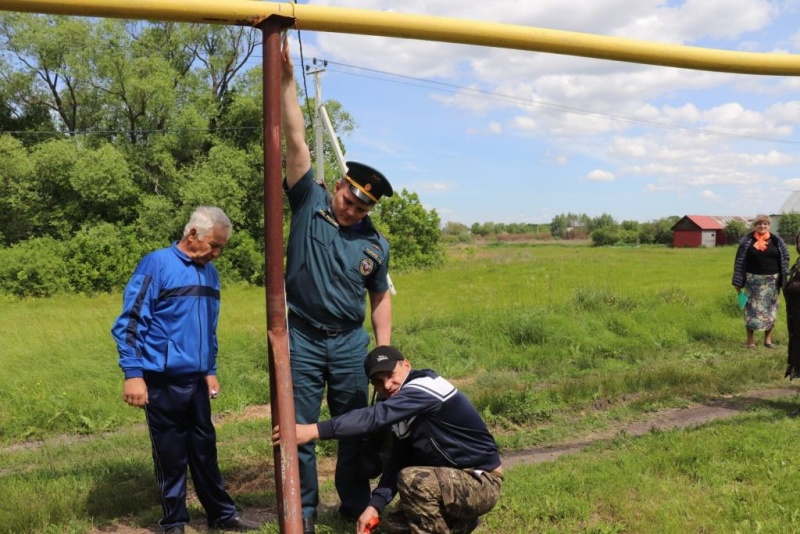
[414,81]
[68,134]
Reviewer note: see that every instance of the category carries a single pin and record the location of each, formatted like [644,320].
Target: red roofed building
[702,230]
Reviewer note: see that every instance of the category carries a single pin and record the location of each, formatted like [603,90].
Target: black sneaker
[309,525]
[238,524]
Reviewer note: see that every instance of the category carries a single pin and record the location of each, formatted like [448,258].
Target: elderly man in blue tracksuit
[335,259]
[166,337]
[444,463]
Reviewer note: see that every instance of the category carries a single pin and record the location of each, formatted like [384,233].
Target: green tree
[477,229]
[17,196]
[241,120]
[222,179]
[45,60]
[734,231]
[789,226]
[26,121]
[57,210]
[159,221]
[413,232]
[455,228]
[609,235]
[601,221]
[104,182]
[663,229]
[142,122]
[108,75]
[570,225]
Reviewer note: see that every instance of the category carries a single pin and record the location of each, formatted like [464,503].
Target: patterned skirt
[762,301]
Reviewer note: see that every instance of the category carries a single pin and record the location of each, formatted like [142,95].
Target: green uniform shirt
[329,268]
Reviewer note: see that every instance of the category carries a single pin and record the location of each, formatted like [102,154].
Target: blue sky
[486,134]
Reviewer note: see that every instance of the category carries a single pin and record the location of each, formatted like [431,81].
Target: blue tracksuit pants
[182,435]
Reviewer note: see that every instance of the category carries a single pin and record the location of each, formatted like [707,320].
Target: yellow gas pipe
[423,27]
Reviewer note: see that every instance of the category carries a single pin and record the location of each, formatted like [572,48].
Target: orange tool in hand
[372,525]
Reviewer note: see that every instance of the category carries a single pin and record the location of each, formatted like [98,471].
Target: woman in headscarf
[761,266]
[791,292]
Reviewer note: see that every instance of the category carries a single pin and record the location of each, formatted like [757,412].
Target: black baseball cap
[382,359]
[366,183]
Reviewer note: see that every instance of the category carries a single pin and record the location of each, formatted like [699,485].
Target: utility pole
[318,124]
[322,122]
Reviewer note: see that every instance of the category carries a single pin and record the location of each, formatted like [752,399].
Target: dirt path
[698,414]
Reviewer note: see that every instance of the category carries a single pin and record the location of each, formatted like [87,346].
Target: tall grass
[538,336]
[575,322]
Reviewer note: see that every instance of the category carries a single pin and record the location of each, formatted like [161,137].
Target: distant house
[703,230]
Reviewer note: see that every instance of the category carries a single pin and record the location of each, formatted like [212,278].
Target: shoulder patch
[366,267]
[325,214]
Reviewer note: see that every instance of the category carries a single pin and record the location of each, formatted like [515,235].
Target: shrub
[242,261]
[102,257]
[34,268]
[614,235]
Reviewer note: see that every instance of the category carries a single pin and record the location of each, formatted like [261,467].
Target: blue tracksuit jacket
[169,317]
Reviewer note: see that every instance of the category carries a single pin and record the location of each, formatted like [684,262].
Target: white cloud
[493,128]
[771,158]
[721,18]
[673,131]
[598,175]
[555,158]
[432,186]
[525,123]
[686,114]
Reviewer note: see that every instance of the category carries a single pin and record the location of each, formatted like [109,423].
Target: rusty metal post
[287,474]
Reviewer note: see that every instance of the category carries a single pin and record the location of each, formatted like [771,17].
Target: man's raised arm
[298,157]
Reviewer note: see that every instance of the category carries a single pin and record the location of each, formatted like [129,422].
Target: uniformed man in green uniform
[335,258]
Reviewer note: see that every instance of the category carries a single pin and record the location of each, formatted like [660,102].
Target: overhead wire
[415,81]
[511,99]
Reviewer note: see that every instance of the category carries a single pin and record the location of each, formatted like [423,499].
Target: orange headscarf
[761,241]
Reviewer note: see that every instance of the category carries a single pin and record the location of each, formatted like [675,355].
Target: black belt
[327,331]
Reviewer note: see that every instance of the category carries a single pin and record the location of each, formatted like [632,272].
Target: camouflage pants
[444,500]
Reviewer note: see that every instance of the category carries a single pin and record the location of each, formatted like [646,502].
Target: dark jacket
[434,425]
[740,263]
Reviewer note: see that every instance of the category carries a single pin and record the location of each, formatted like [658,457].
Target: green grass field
[537,335]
